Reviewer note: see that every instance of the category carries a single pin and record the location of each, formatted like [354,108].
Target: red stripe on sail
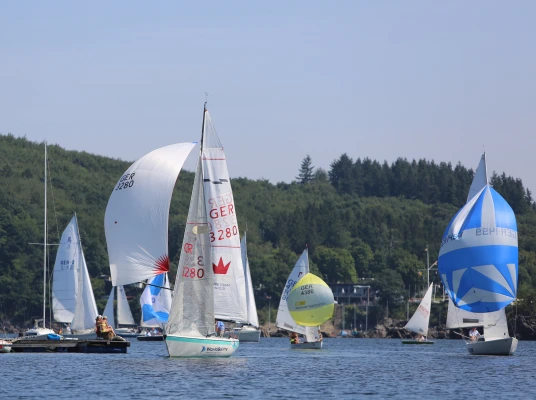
[162,264]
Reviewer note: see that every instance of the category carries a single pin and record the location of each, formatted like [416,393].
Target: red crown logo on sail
[221,268]
[162,264]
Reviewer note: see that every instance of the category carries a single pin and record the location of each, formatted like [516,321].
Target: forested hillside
[363,221]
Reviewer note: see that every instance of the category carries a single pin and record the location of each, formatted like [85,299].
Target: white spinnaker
[160,302]
[86,307]
[124,315]
[253,318]
[284,320]
[418,323]
[136,219]
[480,179]
[65,279]
[192,307]
[229,282]
[109,308]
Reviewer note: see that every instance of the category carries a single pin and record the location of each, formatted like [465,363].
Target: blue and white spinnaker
[478,260]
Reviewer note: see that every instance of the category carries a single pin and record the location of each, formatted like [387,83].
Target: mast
[203,125]
[45,244]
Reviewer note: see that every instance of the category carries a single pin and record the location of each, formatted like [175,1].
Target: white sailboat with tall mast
[208,250]
[43,330]
[420,320]
[73,302]
[483,304]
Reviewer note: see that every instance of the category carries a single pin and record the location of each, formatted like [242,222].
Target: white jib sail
[253,318]
[155,302]
[86,307]
[229,282]
[65,278]
[494,323]
[109,309]
[124,315]
[284,320]
[136,219]
[192,307]
[418,323]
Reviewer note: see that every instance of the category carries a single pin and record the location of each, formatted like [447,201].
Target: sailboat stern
[188,346]
[494,347]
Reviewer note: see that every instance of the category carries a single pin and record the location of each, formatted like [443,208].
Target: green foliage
[360,220]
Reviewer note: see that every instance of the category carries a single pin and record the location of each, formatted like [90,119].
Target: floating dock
[68,345]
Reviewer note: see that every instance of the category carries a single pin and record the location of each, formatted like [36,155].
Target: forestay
[478,260]
[155,302]
[192,308]
[136,219]
[229,282]
[418,323]
[250,295]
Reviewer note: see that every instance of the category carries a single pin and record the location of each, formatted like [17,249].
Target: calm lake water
[345,369]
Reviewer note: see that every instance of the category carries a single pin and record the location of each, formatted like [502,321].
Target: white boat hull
[187,346]
[247,335]
[307,346]
[493,347]
[5,346]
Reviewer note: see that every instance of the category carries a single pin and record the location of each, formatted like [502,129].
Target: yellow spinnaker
[311,301]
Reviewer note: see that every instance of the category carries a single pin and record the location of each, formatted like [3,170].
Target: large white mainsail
[253,318]
[155,302]
[284,320]
[229,283]
[418,323]
[72,293]
[136,219]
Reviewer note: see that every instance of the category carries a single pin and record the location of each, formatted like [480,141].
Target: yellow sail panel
[311,301]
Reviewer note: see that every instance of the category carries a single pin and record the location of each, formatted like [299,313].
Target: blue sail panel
[478,260]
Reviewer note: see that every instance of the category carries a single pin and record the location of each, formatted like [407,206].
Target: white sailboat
[190,331]
[286,321]
[73,302]
[124,315]
[420,320]
[155,302]
[487,309]
[43,331]
[251,331]
[136,223]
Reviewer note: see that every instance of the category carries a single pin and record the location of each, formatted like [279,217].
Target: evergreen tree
[306,171]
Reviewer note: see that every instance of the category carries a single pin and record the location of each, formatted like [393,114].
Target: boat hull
[306,346]
[5,346]
[187,346]
[155,338]
[493,347]
[247,335]
[417,342]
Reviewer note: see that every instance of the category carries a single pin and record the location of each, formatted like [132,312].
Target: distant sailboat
[295,313]
[73,301]
[155,302]
[420,320]
[37,330]
[124,315]
[478,264]
[190,331]
[251,331]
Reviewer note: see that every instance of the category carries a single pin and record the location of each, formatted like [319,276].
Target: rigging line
[150,284]
[53,199]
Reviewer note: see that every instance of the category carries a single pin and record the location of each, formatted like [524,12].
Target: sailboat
[211,223]
[37,330]
[124,315]
[420,320]
[136,223]
[478,264]
[155,304]
[73,302]
[303,289]
[251,331]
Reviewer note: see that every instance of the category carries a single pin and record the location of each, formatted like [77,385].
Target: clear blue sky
[440,80]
